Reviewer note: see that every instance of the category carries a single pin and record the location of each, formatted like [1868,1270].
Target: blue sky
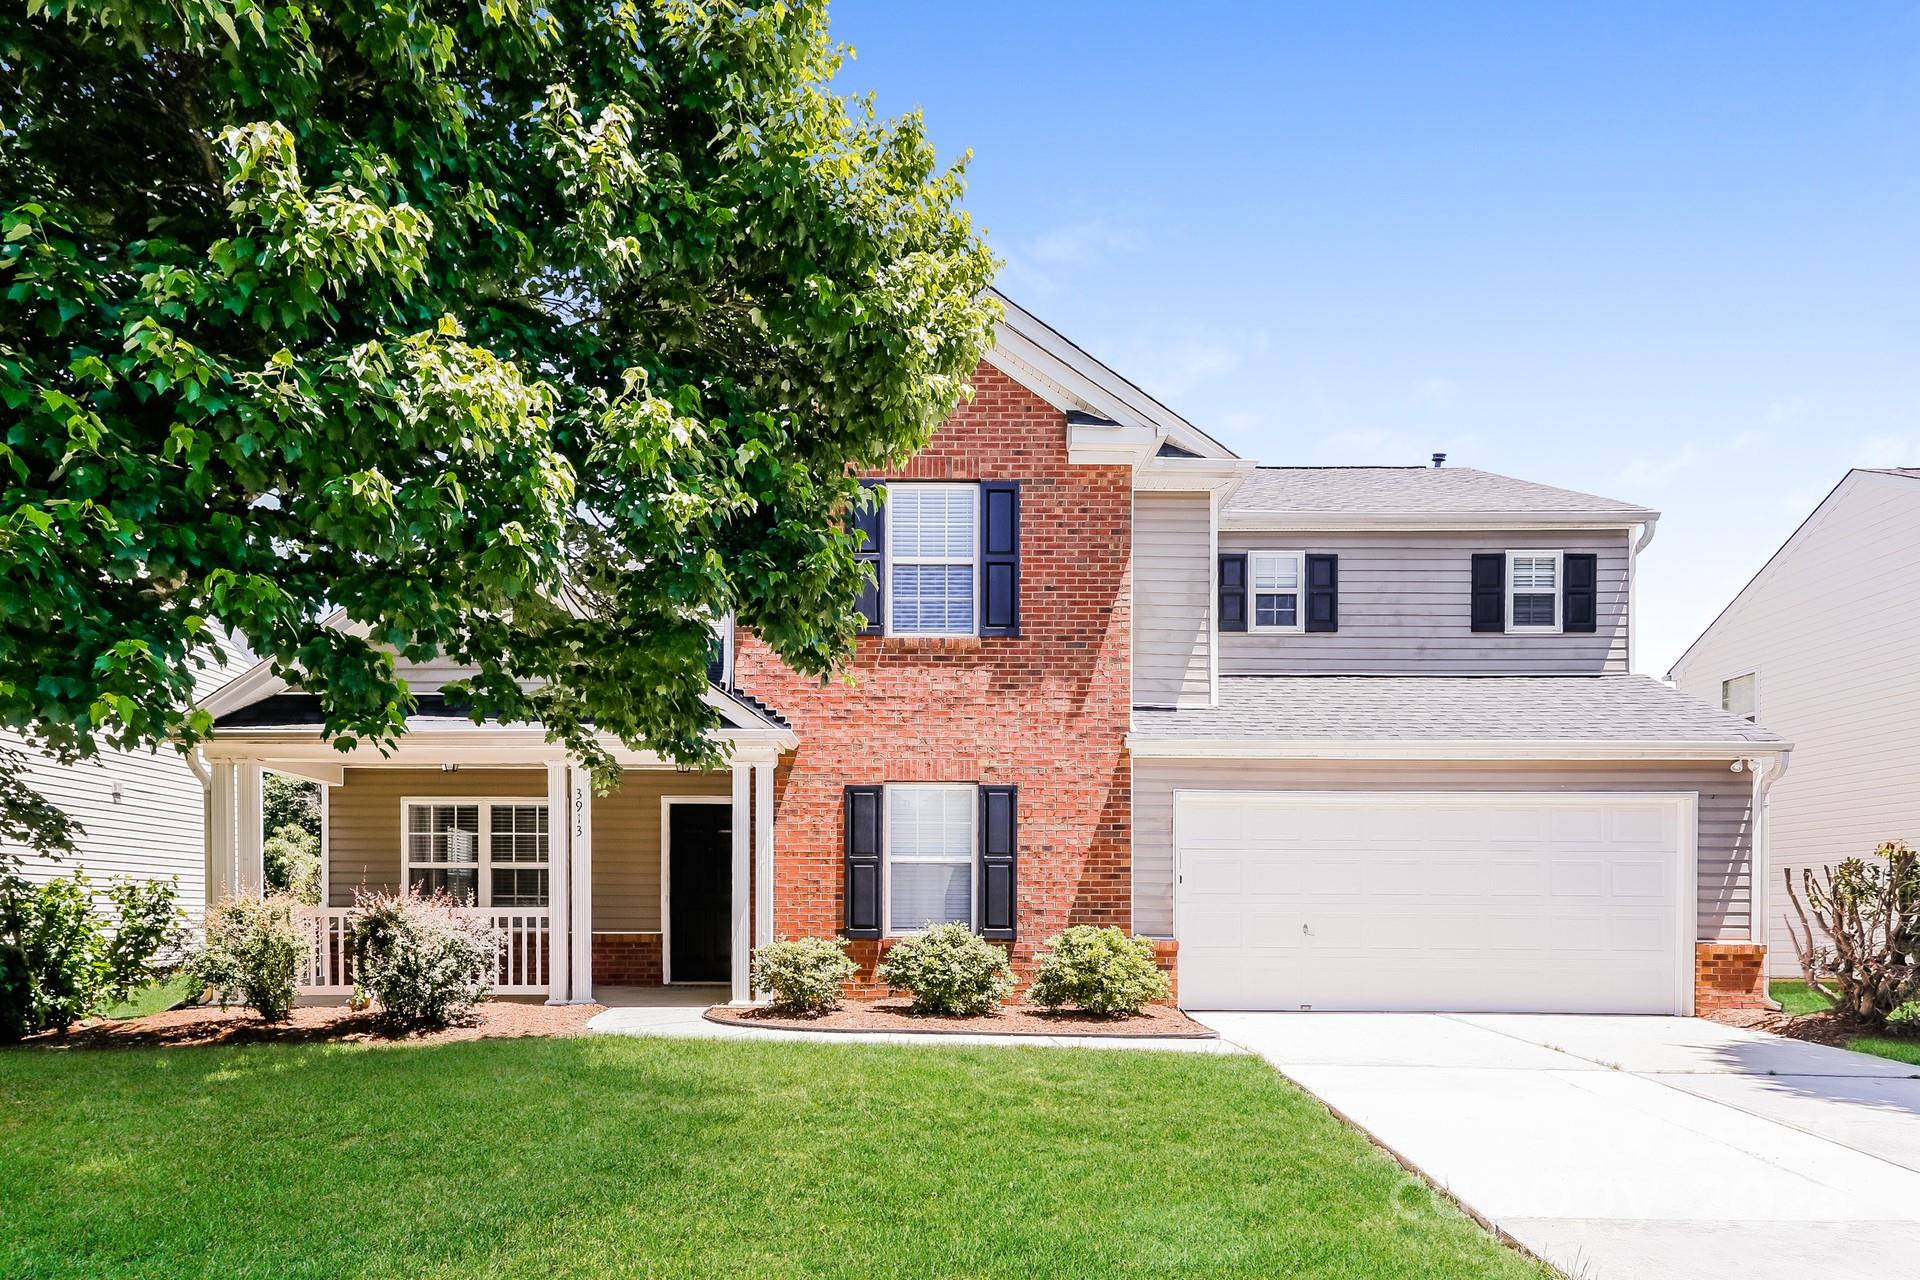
[1669,254]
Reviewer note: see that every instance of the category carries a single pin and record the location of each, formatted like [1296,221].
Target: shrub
[1099,970]
[16,994]
[422,960]
[1864,933]
[292,862]
[251,955]
[948,969]
[804,974]
[74,959]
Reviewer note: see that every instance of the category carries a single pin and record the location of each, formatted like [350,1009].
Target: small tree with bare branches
[1865,954]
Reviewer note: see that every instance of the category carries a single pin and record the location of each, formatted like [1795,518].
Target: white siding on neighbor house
[1726,798]
[1831,630]
[1405,607]
[1172,599]
[151,830]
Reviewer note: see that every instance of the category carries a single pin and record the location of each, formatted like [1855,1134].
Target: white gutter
[1766,772]
[1445,749]
[1633,556]
[1310,521]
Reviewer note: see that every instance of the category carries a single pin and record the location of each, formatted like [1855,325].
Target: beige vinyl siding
[1172,599]
[626,845]
[1832,631]
[1405,608]
[363,834]
[1724,837]
[363,818]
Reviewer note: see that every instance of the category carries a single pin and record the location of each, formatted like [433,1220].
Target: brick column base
[1729,975]
[627,960]
[1166,957]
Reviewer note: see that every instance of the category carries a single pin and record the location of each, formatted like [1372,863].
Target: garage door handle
[1307,929]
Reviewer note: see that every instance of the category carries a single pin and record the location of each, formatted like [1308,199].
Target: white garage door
[1464,903]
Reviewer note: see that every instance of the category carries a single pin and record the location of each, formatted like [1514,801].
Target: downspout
[1633,556]
[1765,774]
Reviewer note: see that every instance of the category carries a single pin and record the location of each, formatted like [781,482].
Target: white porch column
[742,897]
[762,854]
[249,871]
[580,836]
[222,857]
[559,941]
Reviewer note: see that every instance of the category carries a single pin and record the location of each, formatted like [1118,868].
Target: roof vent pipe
[1439,460]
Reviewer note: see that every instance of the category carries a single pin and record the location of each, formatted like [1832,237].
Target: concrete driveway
[1631,1148]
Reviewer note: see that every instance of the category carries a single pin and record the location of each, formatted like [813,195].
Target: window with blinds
[931,548]
[1737,696]
[478,852]
[1533,591]
[930,853]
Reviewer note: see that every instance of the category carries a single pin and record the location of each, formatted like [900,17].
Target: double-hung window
[1737,696]
[1533,591]
[1275,579]
[932,559]
[929,846]
[486,853]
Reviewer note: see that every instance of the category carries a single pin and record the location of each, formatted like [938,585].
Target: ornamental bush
[1100,970]
[804,974]
[424,962]
[72,958]
[948,969]
[1856,931]
[251,954]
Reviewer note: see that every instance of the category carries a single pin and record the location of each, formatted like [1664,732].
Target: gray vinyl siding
[1724,838]
[1405,608]
[363,831]
[1172,599]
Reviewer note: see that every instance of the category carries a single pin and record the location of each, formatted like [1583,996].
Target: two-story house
[1336,738]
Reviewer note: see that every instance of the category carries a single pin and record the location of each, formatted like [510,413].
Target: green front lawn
[620,1157]
[1798,997]
[160,996]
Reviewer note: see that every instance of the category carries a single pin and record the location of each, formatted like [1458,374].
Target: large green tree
[531,334]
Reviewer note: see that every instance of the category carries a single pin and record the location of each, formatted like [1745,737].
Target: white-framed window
[928,849]
[1737,695]
[932,559]
[484,853]
[1274,581]
[1533,591]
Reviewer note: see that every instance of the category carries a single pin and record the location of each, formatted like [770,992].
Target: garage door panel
[1394,901]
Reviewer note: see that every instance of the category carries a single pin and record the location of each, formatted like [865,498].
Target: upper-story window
[1737,696]
[1533,591]
[1275,576]
[932,549]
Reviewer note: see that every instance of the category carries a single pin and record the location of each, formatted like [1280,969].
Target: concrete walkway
[677,1016]
[1631,1148]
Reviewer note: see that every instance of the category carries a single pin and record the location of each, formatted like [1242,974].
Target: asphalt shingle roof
[1410,491]
[1611,708]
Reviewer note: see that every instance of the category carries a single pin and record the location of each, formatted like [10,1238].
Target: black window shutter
[1233,592]
[1490,591]
[999,877]
[1000,558]
[863,862]
[1580,596]
[1323,593]
[872,521]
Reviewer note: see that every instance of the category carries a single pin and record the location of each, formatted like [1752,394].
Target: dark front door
[700,891]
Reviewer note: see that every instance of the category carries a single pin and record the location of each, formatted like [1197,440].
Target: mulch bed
[320,1024]
[1824,1027]
[1009,1020]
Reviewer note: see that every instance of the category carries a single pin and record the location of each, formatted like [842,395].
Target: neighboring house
[141,812]
[1847,694]
[1335,738]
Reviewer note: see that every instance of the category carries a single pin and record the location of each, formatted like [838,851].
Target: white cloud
[1886,450]
[1437,392]
[1780,413]
[1036,264]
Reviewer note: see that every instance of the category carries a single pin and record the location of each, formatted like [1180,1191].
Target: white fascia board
[1316,521]
[1468,749]
[470,744]
[1190,475]
[1110,444]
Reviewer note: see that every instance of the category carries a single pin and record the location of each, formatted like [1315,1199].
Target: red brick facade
[1046,711]
[1729,975]
[627,960]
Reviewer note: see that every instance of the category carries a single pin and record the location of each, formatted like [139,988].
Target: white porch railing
[328,967]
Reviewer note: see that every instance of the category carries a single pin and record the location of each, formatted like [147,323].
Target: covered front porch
[667,879]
